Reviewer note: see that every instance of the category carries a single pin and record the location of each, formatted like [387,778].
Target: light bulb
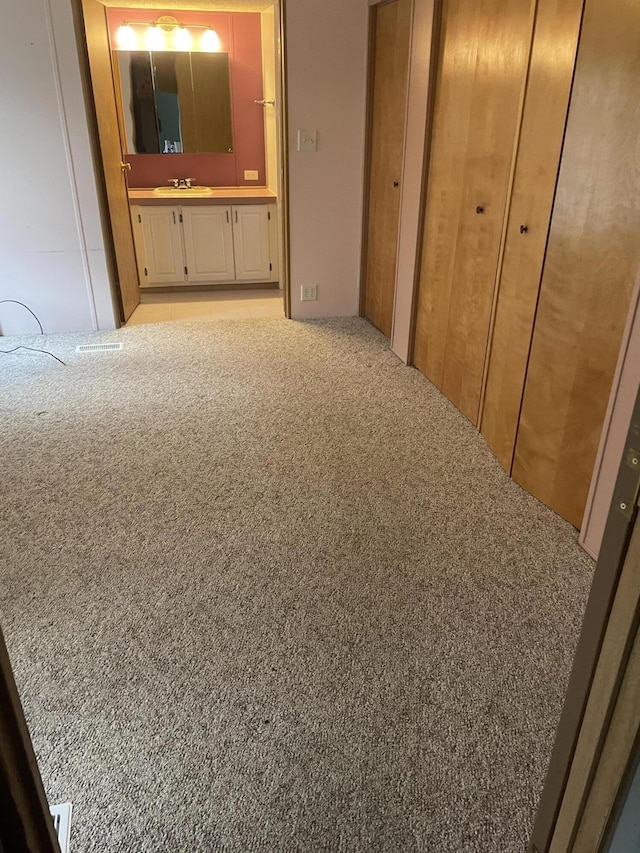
[126,38]
[154,38]
[210,41]
[182,39]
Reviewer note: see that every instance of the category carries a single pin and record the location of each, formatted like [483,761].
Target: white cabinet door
[208,242]
[163,258]
[138,242]
[251,242]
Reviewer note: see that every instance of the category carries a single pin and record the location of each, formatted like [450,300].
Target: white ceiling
[198,5]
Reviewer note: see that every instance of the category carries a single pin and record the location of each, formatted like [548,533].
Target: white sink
[183,191]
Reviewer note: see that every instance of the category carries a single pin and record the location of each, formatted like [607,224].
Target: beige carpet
[265,590]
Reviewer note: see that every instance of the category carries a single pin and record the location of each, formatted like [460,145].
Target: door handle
[524,229]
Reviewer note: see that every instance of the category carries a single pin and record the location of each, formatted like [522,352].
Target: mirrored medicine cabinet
[174,102]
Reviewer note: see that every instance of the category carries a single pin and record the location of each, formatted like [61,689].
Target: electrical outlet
[309,292]
[307,140]
[250,175]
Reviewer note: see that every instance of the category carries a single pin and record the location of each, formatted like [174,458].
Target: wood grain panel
[454,91]
[544,118]
[26,820]
[94,15]
[484,52]
[592,259]
[603,729]
[624,388]
[391,64]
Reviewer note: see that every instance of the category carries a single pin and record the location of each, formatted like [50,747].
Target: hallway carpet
[265,589]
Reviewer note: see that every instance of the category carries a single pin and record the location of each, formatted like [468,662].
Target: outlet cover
[250,175]
[309,292]
[61,815]
[307,140]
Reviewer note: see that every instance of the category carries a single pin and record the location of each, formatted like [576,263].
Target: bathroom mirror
[174,103]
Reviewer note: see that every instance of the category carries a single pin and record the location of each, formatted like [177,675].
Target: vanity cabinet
[251,244]
[159,245]
[208,243]
[205,243]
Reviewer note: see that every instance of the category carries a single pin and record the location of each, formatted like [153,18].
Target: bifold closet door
[553,55]
[390,58]
[592,259]
[483,57]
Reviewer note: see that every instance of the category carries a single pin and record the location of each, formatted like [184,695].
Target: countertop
[216,195]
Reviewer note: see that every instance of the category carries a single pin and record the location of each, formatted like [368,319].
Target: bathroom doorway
[187,305]
[198,214]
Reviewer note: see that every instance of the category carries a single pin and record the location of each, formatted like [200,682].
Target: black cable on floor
[31,349]
[15,302]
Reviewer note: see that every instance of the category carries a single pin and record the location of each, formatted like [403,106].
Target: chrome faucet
[181,183]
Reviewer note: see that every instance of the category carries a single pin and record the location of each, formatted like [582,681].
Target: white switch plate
[309,292]
[307,140]
[250,175]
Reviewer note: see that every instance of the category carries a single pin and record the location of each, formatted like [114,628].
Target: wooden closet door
[592,259]
[546,104]
[484,52]
[391,35]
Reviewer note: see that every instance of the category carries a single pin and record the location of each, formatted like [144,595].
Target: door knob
[524,229]
[479,209]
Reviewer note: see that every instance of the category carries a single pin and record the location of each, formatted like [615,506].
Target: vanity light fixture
[182,39]
[126,37]
[155,35]
[210,41]
[154,38]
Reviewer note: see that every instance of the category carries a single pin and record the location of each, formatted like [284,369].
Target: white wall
[52,254]
[326,79]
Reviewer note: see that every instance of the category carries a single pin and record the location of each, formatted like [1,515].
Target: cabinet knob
[479,209]
[396,183]
[524,229]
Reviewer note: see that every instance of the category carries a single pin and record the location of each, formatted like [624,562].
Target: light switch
[309,292]
[307,140]
[250,175]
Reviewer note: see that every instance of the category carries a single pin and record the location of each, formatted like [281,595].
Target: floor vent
[62,824]
[98,347]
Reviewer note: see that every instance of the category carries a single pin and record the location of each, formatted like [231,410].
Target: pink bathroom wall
[248,117]
[240,37]
[208,170]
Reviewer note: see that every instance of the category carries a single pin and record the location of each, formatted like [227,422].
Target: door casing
[120,243]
